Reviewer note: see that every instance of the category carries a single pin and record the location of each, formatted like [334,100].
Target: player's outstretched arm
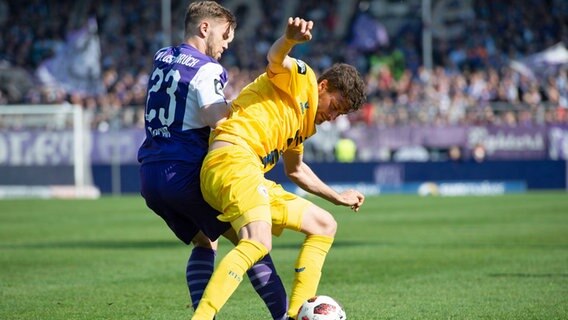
[303,176]
[297,31]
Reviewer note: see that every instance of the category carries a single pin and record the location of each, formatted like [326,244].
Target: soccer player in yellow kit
[271,118]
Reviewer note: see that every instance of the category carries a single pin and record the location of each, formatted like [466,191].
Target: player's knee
[267,245]
[258,231]
[266,241]
[317,221]
[329,225]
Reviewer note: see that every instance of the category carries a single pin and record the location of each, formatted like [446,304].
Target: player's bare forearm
[303,176]
[297,31]
[214,114]
[306,179]
[278,59]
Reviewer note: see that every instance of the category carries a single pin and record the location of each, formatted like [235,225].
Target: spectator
[471,84]
[478,153]
[345,150]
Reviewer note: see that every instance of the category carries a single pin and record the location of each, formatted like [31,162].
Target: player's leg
[175,195]
[200,266]
[266,282]
[232,182]
[172,191]
[319,226]
[255,242]
[262,275]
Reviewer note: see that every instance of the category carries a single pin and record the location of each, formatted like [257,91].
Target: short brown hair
[196,11]
[346,80]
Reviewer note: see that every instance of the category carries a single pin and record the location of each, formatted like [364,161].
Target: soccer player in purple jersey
[184,101]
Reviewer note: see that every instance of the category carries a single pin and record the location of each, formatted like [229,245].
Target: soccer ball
[321,308]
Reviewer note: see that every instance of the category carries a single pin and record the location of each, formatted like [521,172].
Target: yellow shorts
[232,182]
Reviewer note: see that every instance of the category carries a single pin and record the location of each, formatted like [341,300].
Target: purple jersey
[182,81]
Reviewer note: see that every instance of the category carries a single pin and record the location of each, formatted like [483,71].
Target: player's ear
[204,27]
[322,86]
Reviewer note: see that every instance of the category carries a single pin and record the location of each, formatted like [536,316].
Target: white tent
[539,65]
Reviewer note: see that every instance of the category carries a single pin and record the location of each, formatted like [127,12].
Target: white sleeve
[208,86]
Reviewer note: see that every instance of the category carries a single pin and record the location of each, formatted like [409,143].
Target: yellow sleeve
[290,81]
[299,149]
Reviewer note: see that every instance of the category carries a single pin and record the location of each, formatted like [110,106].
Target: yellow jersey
[273,114]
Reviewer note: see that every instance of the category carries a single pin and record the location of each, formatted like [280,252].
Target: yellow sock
[227,277]
[308,270]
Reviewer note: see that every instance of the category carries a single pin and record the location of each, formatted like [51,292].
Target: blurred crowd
[471,81]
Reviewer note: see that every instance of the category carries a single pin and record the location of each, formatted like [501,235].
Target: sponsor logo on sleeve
[219,87]
[302,68]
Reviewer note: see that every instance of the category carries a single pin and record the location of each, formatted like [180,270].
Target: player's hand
[352,198]
[299,30]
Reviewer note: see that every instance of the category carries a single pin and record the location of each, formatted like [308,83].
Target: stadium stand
[472,82]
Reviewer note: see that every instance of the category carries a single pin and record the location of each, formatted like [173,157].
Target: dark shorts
[171,190]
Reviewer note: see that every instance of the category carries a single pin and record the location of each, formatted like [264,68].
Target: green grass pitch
[400,257]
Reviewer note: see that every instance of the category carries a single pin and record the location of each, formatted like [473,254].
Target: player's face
[330,105]
[219,38]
